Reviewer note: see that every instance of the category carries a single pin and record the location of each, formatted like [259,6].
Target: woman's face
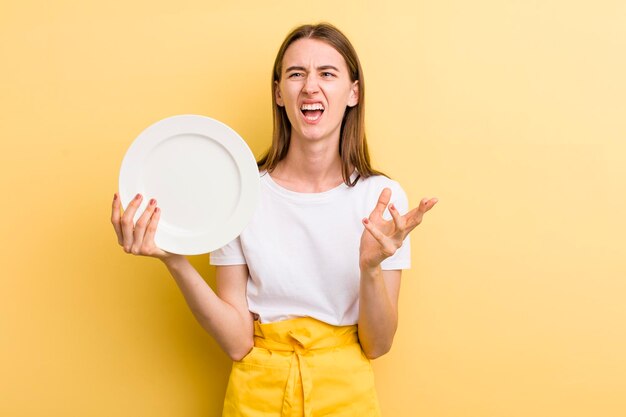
[315,88]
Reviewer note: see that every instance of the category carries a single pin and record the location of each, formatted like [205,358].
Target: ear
[279,98]
[353,100]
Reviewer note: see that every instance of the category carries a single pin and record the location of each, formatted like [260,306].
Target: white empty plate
[203,176]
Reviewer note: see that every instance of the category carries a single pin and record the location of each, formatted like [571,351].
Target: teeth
[314,106]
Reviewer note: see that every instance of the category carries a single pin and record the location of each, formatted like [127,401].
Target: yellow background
[513,113]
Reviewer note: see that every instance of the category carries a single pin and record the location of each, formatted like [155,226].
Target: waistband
[301,336]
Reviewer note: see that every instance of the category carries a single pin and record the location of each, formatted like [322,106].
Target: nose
[311,85]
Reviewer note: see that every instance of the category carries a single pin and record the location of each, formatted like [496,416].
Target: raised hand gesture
[382,238]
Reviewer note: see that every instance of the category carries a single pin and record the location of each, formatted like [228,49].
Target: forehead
[312,53]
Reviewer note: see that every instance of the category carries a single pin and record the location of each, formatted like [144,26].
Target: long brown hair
[352,144]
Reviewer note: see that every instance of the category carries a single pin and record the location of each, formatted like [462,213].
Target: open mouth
[312,112]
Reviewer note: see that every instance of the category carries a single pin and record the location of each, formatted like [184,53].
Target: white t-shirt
[302,250]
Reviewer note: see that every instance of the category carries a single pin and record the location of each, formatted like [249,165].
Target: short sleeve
[402,258]
[231,254]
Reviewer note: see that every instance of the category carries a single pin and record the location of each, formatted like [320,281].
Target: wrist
[369,269]
[173,260]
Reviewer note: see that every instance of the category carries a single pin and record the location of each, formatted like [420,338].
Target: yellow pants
[302,368]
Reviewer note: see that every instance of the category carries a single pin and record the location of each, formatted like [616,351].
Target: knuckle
[135,251]
[150,250]
[127,249]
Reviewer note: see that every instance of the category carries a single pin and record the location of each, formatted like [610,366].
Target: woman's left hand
[382,238]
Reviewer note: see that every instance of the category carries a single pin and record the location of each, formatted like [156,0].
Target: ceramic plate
[203,176]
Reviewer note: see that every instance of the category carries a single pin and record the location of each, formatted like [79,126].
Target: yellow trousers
[302,368]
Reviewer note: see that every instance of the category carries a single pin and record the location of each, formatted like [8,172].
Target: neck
[310,166]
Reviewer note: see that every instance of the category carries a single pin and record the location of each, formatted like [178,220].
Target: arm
[224,315]
[378,310]
[379,290]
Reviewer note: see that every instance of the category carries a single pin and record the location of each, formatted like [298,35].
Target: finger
[140,227]
[381,205]
[128,224]
[415,216]
[427,204]
[386,244]
[152,227]
[398,220]
[149,246]
[116,216]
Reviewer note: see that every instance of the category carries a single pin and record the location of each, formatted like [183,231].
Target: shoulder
[374,185]
[379,182]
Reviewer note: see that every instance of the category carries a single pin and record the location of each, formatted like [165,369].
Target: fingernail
[366,221]
[392,207]
[157,210]
[152,201]
[114,196]
[138,196]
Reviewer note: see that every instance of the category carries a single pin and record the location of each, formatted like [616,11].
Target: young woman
[308,293]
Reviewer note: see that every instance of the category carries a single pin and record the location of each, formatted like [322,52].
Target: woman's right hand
[138,238]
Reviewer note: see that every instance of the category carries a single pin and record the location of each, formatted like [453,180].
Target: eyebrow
[322,68]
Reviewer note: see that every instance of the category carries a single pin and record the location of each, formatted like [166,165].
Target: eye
[327,74]
[296,75]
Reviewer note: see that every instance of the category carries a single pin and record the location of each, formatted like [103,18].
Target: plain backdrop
[511,112]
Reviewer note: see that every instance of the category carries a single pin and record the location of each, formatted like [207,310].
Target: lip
[312,101]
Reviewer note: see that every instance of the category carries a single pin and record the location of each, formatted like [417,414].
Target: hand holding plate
[138,238]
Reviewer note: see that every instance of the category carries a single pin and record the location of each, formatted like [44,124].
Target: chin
[316,133]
